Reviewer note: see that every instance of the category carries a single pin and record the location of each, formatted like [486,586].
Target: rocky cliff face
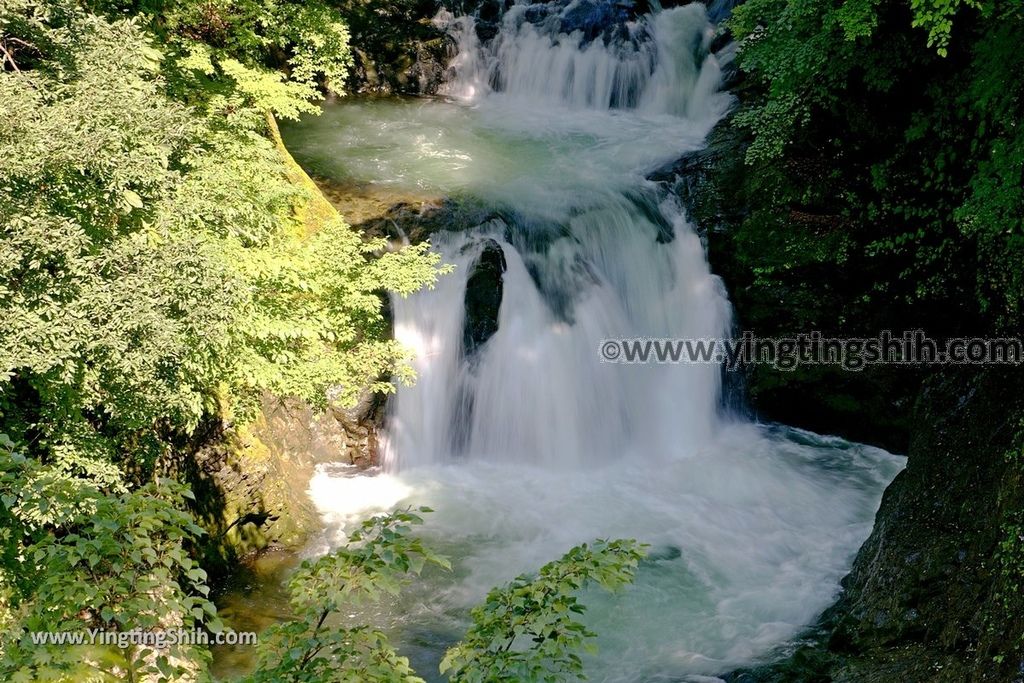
[872,405]
[251,482]
[396,48]
[936,593]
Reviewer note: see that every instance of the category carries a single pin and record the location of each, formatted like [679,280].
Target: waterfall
[535,390]
[517,434]
[603,257]
[656,64]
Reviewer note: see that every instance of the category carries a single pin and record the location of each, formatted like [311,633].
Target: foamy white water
[750,535]
[529,444]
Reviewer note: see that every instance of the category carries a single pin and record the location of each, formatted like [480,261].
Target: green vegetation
[376,560]
[86,552]
[119,562]
[526,631]
[160,268]
[541,612]
[156,267]
[1004,618]
[891,152]
[872,178]
[164,264]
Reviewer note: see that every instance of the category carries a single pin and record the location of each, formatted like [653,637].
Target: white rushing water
[529,444]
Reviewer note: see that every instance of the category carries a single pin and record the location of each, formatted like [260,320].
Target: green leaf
[132,198]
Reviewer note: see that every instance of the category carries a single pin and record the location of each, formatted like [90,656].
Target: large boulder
[483,297]
[251,481]
[936,593]
[934,574]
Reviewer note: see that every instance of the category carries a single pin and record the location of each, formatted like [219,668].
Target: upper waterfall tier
[555,54]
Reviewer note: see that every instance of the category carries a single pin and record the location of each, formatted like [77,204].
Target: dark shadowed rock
[250,481]
[486,30]
[490,10]
[720,10]
[488,19]
[483,297]
[691,178]
[871,406]
[935,593]
[591,17]
[929,572]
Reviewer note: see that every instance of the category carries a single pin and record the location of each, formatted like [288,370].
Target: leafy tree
[153,261]
[112,325]
[376,561]
[84,553]
[161,264]
[273,54]
[889,153]
[529,630]
[526,631]
[937,17]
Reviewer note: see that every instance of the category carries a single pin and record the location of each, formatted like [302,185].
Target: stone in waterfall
[483,297]
[591,17]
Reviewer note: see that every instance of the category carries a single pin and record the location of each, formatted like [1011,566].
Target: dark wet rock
[664,553]
[352,434]
[484,290]
[396,47]
[536,14]
[401,215]
[720,10]
[935,593]
[720,41]
[591,17]
[413,67]
[486,30]
[490,10]
[933,551]
[539,240]
[487,18]
[250,482]
[647,203]
[694,177]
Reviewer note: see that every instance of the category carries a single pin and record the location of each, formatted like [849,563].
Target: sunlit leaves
[530,630]
[527,631]
[936,16]
[82,554]
[376,561]
[265,89]
[154,266]
[154,256]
